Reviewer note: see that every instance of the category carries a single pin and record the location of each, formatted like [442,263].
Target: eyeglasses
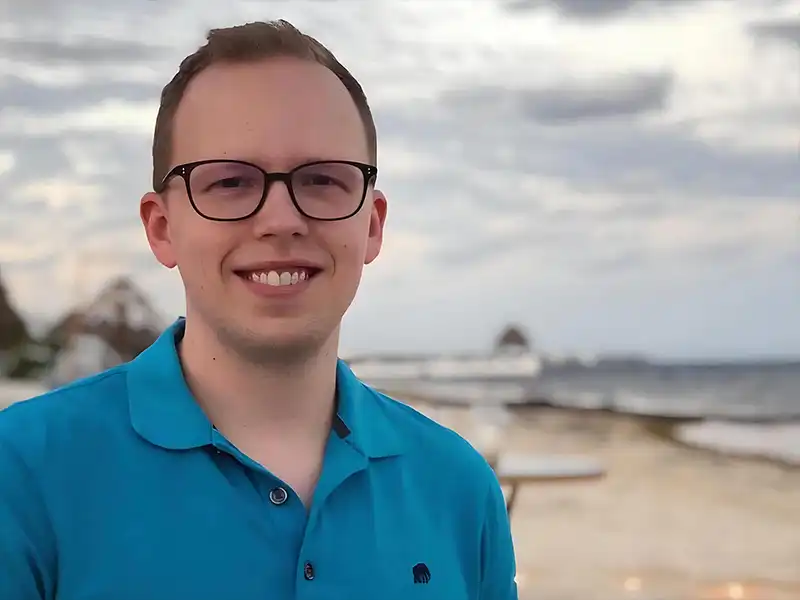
[235,190]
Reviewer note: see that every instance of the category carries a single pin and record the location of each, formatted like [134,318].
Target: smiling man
[238,457]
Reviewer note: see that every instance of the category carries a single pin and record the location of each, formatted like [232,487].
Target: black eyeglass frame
[184,171]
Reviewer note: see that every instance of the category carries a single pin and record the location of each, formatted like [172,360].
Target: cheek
[200,251]
[349,255]
[345,242]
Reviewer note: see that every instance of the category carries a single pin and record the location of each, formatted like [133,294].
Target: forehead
[275,111]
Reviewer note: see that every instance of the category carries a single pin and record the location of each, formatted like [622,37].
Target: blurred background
[592,250]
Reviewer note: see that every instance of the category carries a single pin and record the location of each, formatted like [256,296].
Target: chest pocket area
[426,572]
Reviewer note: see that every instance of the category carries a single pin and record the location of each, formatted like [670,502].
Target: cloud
[111,115]
[17,94]
[782,30]
[561,227]
[70,195]
[626,154]
[7,162]
[36,16]
[87,50]
[599,9]
[621,96]
[573,102]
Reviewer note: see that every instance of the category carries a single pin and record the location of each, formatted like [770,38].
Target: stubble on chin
[288,351]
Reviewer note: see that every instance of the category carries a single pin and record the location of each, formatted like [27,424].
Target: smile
[280,278]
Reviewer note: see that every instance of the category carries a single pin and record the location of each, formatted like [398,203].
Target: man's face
[278,114]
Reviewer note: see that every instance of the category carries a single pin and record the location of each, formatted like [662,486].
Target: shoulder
[432,447]
[453,483]
[45,444]
[40,430]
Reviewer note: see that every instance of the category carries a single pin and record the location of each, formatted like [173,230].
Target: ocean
[746,392]
[751,409]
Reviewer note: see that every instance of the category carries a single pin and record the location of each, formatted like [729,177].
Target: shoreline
[668,430]
[520,393]
[664,427]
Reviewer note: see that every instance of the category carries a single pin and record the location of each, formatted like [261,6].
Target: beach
[12,391]
[668,522]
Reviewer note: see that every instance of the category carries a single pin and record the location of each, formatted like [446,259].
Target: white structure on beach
[82,355]
[453,368]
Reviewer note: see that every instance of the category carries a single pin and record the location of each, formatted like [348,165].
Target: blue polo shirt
[118,487]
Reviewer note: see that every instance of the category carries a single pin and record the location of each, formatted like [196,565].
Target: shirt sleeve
[498,562]
[27,550]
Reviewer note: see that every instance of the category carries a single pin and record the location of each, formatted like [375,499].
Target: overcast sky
[614,175]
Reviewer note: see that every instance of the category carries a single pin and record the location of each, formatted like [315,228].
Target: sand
[668,522]
[15,390]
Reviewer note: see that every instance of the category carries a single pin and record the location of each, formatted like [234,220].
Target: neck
[246,399]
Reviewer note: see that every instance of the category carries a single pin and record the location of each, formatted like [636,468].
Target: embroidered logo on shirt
[422,574]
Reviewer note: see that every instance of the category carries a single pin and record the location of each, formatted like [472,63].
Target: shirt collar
[164,412]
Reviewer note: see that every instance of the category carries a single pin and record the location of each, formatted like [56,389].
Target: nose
[278,215]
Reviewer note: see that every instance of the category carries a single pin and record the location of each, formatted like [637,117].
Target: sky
[614,176]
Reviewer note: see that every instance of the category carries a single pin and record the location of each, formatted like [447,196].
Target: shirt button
[308,571]
[278,496]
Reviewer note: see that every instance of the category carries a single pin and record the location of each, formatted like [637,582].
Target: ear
[377,221]
[155,218]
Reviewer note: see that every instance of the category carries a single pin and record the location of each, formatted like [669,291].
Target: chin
[278,340]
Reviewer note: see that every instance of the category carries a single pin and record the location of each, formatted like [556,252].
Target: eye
[228,182]
[233,183]
[319,179]
[225,178]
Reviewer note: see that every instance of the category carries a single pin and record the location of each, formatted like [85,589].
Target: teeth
[276,279]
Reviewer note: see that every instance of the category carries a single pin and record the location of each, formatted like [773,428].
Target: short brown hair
[244,43]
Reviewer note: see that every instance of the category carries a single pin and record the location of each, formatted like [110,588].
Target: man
[237,457]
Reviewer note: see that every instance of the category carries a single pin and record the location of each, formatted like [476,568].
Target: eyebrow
[290,162]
